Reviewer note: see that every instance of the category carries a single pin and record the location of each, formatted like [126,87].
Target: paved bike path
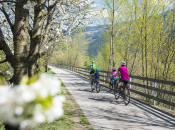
[105,113]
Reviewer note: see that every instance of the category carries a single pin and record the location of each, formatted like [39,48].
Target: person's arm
[89,68]
[109,74]
[92,74]
[116,74]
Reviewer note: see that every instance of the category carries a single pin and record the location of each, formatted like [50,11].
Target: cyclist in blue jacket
[96,77]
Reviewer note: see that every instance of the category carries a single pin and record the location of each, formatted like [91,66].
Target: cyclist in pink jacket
[113,74]
[124,74]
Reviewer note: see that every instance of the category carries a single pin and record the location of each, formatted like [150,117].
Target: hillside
[94,36]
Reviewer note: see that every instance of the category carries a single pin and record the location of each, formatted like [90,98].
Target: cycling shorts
[113,78]
[96,80]
[92,72]
[125,81]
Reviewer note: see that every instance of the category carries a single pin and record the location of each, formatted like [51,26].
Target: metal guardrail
[104,78]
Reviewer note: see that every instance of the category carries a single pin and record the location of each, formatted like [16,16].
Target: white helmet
[113,68]
[123,63]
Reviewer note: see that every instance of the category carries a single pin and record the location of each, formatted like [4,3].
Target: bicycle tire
[116,92]
[115,88]
[92,85]
[98,88]
[126,97]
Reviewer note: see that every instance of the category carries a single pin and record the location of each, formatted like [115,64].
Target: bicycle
[124,93]
[114,83]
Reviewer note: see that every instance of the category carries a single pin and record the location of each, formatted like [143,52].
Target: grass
[83,119]
[51,72]
[68,112]
[67,104]
[68,92]
[64,123]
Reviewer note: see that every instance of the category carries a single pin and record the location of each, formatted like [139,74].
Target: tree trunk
[10,127]
[113,13]
[35,45]
[20,41]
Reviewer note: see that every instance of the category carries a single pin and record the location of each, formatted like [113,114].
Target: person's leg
[95,81]
[111,80]
[119,84]
[115,81]
[90,74]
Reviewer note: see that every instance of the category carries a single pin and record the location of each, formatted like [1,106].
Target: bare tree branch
[7,17]
[3,61]
[4,46]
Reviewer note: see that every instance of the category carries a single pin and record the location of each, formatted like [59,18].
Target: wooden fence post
[154,94]
[104,79]
[130,84]
[87,74]
[83,72]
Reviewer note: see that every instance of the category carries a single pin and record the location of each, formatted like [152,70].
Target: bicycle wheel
[92,85]
[116,92]
[98,88]
[115,88]
[126,97]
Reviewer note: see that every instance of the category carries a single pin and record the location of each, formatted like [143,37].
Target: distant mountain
[94,36]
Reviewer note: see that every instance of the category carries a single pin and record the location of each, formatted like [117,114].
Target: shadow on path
[145,117]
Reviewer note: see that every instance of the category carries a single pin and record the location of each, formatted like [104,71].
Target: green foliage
[87,61]
[43,69]
[83,119]
[27,80]
[2,127]
[51,72]
[73,52]
[6,68]
[2,80]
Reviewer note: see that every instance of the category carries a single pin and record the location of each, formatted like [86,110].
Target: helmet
[123,63]
[97,70]
[113,68]
[93,62]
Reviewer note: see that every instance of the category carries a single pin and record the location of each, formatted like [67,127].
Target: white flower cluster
[30,105]
[29,5]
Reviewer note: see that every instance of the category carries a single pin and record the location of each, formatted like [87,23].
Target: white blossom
[18,110]
[15,103]
[30,4]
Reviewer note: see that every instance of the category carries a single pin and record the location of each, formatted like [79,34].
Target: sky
[100,5]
